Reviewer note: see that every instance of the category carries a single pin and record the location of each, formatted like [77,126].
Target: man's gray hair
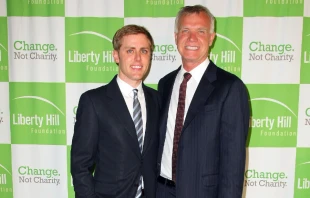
[191,10]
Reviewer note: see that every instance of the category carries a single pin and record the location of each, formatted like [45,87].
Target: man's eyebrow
[131,47]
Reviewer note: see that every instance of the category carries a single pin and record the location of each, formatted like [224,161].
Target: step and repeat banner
[51,51]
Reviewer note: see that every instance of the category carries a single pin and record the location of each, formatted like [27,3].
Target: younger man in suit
[116,132]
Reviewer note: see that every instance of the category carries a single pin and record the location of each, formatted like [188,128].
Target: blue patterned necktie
[137,120]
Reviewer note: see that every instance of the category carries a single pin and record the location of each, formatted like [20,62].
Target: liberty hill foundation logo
[36,8]
[3,50]
[284,2]
[4,180]
[303,183]
[6,184]
[274,119]
[226,52]
[37,122]
[152,8]
[3,67]
[302,173]
[284,122]
[164,2]
[34,116]
[274,8]
[307,54]
[254,177]
[92,57]
[305,58]
[89,49]
[29,174]
[226,56]
[46,2]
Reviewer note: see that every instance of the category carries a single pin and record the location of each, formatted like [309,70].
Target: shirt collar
[126,89]
[197,72]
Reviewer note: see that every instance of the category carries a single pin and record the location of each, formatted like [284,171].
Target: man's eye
[129,51]
[144,51]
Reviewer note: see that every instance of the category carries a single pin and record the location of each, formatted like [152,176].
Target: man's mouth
[136,66]
[191,47]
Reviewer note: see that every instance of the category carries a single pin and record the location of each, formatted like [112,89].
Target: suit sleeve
[233,134]
[83,150]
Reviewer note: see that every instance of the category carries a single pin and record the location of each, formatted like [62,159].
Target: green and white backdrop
[53,50]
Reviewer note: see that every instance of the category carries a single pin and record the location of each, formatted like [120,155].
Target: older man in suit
[205,118]
[116,129]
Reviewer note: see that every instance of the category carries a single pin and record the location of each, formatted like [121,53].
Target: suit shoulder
[223,75]
[150,90]
[95,91]
[168,76]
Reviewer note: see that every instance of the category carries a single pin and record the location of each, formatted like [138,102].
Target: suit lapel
[150,108]
[200,97]
[119,107]
[202,94]
[166,97]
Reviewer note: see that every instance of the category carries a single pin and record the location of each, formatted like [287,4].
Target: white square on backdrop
[220,8]
[307,8]
[36,49]
[3,11]
[5,136]
[264,168]
[271,53]
[303,137]
[32,165]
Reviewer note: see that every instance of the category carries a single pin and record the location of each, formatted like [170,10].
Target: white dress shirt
[127,92]
[192,84]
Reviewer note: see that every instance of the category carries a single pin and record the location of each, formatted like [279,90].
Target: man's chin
[190,59]
[137,77]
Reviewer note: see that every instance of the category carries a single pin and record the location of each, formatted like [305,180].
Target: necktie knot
[135,92]
[187,76]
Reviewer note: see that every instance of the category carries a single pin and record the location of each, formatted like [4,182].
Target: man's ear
[212,37]
[116,56]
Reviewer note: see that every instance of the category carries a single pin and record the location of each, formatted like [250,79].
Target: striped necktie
[137,119]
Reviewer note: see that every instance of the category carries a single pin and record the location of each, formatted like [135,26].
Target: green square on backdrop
[38,113]
[274,117]
[89,56]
